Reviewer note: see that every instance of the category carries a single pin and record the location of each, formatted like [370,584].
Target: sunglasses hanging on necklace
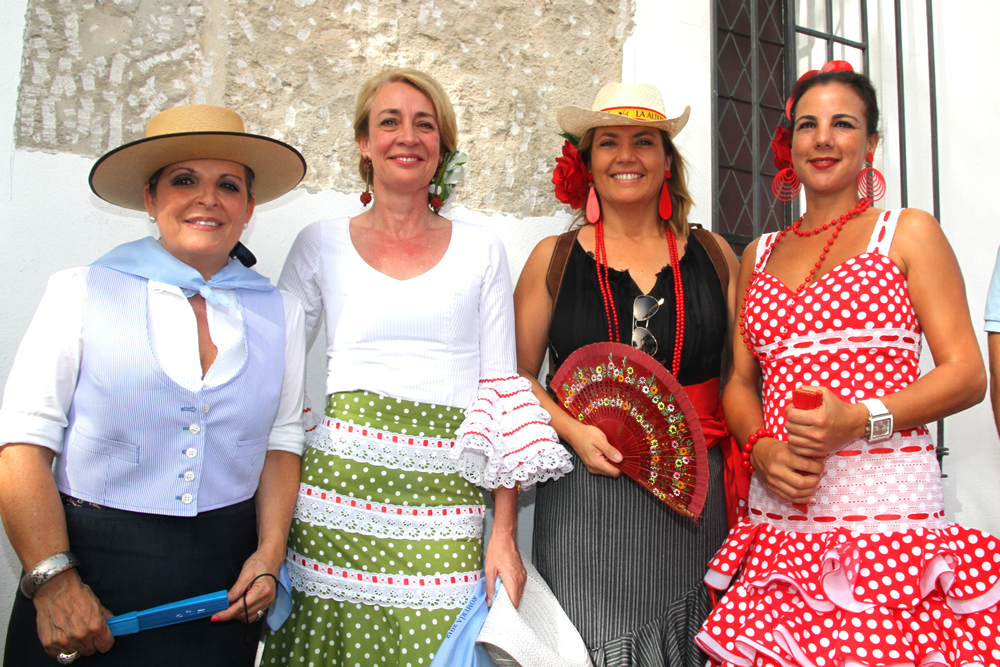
[642,339]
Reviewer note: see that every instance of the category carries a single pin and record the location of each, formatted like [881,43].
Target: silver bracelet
[45,570]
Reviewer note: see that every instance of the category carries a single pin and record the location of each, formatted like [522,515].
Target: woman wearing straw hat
[424,402]
[165,380]
[625,568]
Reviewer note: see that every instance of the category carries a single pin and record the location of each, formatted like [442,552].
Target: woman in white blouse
[424,403]
[166,382]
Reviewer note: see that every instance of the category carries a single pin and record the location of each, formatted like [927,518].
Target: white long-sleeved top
[430,338]
[42,380]
[445,337]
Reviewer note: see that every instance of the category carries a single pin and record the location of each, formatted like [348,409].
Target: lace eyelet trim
[383,448]
[342,512]
[441,591]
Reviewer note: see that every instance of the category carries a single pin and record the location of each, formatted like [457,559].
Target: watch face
[881,427]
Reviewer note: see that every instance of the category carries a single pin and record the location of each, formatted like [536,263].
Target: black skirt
[134,561]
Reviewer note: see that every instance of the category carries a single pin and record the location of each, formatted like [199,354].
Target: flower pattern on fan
[645,414]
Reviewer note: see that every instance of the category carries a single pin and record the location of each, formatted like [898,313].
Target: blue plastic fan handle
[169,614]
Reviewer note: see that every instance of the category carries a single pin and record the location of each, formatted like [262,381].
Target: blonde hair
[680,197]
[426,84]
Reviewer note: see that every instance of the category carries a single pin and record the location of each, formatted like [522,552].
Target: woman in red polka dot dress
[846,557]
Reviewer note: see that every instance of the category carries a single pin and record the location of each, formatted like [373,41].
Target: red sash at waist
[705,398]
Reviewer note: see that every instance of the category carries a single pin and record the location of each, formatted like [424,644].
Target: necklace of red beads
[614,332]
[837,223]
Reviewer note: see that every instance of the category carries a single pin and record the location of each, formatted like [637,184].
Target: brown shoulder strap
[554,277]
[711,246]
[557,265]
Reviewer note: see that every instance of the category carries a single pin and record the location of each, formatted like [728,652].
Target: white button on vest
[187,498]
[191,452]
[189,476]
[195,429]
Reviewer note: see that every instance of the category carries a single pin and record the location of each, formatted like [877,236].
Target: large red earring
[786,184]
[593,203]
[366,196]
[871,182]
[666,206]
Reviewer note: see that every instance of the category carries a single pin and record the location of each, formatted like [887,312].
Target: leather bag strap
[557,265]
[711,246]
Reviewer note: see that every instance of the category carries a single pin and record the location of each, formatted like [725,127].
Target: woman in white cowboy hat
[624,566]
[424,402]
[165,381]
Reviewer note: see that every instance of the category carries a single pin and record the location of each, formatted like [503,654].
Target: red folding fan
[646,415]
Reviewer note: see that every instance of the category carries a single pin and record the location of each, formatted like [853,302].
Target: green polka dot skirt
[386,544]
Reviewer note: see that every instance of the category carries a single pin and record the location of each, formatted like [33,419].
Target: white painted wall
[50,221]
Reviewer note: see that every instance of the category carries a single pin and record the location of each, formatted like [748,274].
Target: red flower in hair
[570,177]
[781,146]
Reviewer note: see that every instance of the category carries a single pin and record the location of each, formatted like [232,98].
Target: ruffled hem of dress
[917,597]
[506,438]
[666,641]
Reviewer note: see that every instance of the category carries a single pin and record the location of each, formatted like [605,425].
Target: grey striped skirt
[626,568]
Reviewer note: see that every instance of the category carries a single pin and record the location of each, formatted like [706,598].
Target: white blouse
[43,378]
[428,339]
[445,337]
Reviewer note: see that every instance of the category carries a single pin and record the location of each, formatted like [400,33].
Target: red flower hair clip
[832,66]
[781,146]
[570,177]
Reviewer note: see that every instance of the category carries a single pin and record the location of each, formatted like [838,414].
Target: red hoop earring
[366,167]
[666,206]
[786,185]
[593,203]
[871,182]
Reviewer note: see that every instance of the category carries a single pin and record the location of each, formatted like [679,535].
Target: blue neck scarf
[146,258]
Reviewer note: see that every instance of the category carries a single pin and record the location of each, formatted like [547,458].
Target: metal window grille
[761,48]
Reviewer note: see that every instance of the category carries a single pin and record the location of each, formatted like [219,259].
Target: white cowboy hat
[537,634]
[623,104]
[192,132]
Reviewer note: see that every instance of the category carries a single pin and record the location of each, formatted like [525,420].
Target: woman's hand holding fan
[645,415]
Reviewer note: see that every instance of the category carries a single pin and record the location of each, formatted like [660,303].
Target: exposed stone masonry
[95,71]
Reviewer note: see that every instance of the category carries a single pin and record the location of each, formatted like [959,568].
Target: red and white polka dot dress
[873,573]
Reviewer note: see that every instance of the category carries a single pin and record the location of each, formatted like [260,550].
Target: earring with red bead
[593,203]
[366,168]
[871,182]
[786,184]
[666,206]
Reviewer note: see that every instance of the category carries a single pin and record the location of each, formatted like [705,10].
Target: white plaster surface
[50,221]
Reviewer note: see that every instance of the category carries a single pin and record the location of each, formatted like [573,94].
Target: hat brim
[120,176]
[577,120]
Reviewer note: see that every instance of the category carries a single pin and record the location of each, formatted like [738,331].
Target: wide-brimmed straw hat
[192,132]
[623,104]
[536,634]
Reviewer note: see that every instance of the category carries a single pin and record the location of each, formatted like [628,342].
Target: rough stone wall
[95,71]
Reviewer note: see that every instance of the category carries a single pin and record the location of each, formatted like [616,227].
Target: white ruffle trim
[506,438]
[383,448]
[440,591]
[320,507]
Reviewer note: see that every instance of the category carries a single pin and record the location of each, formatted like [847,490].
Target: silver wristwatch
[879,426]
[45,570]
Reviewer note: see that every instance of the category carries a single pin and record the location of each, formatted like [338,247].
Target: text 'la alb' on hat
[623,104]
[194,132]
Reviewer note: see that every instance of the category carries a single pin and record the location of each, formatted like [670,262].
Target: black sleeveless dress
[626,568]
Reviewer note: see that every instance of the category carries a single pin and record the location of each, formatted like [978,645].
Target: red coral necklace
[797,228]
[611,312]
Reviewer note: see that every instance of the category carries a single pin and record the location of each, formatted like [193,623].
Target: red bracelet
[748,446]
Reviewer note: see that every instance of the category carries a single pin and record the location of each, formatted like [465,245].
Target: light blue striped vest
[138,441]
